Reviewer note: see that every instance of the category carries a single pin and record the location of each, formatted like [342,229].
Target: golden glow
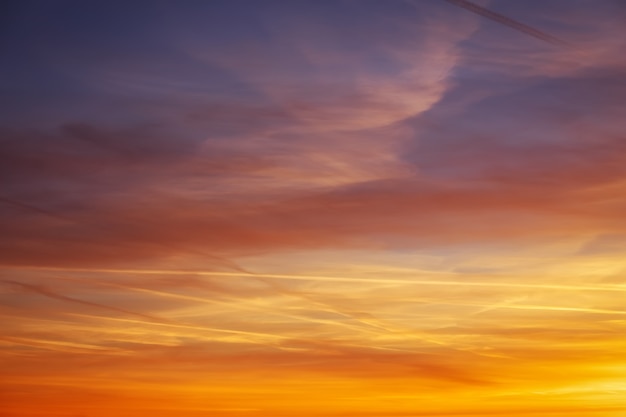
[372,208]
[269,344]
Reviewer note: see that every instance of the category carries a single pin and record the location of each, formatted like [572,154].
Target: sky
[337,208]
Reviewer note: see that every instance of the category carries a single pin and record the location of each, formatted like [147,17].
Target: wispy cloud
[313,208]
[512,23]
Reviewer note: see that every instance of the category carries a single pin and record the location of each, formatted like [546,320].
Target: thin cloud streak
[443,282]
[312,208]
[507,21]
[36,289]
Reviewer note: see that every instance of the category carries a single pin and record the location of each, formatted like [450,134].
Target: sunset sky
[313,208]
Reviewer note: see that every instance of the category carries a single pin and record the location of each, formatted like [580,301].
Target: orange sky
[313,208]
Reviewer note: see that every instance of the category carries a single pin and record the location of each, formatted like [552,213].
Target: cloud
[346,78]
[514,24]
[36,289]
[338,208]
[155,209]
[593,34]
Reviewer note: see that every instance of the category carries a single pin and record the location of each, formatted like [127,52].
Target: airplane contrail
[443,282]
[51,294]
[507,21]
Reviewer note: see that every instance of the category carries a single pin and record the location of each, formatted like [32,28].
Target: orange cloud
[394,209]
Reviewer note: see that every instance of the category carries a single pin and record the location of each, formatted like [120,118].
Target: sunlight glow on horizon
[313,208]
